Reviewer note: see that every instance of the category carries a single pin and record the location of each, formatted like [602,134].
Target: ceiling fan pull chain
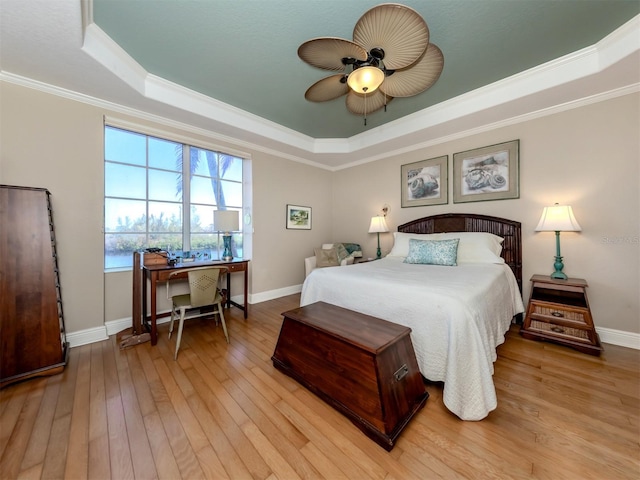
[365,107]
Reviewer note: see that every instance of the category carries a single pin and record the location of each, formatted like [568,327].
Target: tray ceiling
[226,65]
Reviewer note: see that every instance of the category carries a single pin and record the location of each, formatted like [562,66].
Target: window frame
[186,203]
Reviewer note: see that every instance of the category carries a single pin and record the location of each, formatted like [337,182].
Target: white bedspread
[458,316]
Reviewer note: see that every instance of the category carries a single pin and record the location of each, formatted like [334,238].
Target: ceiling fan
[390,56]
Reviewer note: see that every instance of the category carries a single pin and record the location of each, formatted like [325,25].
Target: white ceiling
[54,45]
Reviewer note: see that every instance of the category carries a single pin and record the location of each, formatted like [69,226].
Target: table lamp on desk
[226,221]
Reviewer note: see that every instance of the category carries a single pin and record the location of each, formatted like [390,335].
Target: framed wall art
[425,182]
[487,173]
[298,218]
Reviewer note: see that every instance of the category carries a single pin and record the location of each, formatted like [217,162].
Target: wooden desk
[160,273]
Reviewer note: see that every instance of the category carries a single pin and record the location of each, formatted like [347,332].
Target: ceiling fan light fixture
[390,56]
[365,79]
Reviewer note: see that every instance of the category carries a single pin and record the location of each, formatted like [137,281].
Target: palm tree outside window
[161,194]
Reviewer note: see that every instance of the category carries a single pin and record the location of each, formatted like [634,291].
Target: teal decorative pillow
[433,252]
[353,249]
[341,251]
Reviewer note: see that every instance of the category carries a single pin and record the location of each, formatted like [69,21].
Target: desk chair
[203,291]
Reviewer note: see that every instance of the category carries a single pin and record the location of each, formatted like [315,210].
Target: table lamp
[378,225]
[558,218]
[226,221]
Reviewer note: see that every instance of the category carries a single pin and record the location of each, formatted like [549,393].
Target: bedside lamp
[226,221]
[378,225]
[558,218]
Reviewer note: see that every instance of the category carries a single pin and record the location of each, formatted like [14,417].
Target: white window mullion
[146,167]
[186,198]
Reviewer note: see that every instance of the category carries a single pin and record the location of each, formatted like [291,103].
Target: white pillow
[474,247]
[401,242]
[477,247]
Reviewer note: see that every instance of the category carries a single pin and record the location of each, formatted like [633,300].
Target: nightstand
[559,312]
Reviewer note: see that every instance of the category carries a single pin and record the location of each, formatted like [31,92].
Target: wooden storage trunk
[363,366]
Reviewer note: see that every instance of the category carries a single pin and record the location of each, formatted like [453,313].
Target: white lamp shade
[558,218]
[378,225]
[226,221]
[365,79]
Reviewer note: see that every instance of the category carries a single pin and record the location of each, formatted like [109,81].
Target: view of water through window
[162,194]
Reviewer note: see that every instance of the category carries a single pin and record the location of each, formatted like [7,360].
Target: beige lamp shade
[378,225]
[226,221]
[558,218]
[365,79]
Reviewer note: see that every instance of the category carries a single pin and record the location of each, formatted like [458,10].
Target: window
[161,193]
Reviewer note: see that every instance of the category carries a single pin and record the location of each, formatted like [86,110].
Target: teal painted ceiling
[243,53]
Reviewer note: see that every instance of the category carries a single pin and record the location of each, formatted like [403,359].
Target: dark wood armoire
[32,334]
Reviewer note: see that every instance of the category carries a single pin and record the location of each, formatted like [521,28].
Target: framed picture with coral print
[425,182]
[298,218]
[488,173]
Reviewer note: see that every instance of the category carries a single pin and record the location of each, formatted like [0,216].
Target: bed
[458,314]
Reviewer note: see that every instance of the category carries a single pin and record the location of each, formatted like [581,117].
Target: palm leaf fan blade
[327,89]
[400,31]
[363,105]
[417,78]
[327,52]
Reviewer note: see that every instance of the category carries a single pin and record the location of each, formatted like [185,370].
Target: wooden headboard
[471,222]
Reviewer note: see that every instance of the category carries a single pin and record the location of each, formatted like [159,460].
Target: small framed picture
[488,173]
[298,218]
[425,182]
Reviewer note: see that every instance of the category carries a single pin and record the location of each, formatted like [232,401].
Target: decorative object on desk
[488,173]
[425,182]
[378,225]
[558,218]
[226,221]
[155,256]
[298,218]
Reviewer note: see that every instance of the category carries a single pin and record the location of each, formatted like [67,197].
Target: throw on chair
[203,291]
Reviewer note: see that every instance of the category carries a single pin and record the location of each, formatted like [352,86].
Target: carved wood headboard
[471,222]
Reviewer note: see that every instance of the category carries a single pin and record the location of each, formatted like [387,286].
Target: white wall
[56,143]
[587,157]
[47,141]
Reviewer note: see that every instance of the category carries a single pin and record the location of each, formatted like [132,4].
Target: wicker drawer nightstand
[559,312]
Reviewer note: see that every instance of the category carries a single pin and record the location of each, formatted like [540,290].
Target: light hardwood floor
[223,411]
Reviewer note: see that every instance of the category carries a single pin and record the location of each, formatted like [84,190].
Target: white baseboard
[98,334]
[273,294]
[619,337]
[90,335]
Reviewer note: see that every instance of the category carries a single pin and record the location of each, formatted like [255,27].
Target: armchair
[345,254]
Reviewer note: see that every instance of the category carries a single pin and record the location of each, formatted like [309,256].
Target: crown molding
[569,68]
[514,100]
